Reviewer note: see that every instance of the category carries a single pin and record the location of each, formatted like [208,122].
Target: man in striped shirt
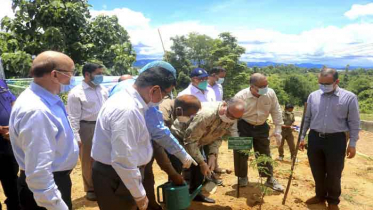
[83,105]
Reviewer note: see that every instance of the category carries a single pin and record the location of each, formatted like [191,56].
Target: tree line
[67,26]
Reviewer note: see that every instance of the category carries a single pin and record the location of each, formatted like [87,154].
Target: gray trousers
[111,192]
[86,135]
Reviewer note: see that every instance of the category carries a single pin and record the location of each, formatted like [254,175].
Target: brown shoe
[333,207]
[315,200]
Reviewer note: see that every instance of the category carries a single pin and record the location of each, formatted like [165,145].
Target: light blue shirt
[159,132]
[43,143]
[332,113]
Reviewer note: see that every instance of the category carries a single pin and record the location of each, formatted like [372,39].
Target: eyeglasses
[71,72]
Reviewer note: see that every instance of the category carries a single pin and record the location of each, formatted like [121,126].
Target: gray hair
[325,71]
[254,78]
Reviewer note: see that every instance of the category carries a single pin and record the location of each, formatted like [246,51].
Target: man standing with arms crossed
[331,112]
[260,102]
[42,139]
[83,105]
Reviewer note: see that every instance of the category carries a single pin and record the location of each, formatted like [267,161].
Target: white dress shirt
[217,89]
[84,103]
[205,96]
[121,138]
[43,143]
[257,110]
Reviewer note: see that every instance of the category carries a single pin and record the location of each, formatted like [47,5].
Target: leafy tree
[65,26]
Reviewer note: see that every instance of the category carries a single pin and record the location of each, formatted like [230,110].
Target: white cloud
[358,10]
[6,9]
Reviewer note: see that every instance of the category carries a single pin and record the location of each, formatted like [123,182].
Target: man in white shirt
[198,86]
[215,81]
[121,144]
[260,102]
[42,139]
[83,105]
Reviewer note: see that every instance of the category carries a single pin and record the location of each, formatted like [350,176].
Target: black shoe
[91,196]
[204,199]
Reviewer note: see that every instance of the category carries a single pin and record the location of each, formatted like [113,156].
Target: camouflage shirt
[288,118]
[206,128]
[167,109]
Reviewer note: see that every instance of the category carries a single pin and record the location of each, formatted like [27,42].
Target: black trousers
[261,144]
[111,192]
[326,157]
[196,177]
[62,180]
[8,178]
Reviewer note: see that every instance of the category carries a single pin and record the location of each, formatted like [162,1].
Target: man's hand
[142,203]
[177,179]
[302,144]
[205,169]
[4,129]
[212,162]
[351,152]
[188,160]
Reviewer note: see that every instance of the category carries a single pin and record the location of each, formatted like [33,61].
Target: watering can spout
[195,193]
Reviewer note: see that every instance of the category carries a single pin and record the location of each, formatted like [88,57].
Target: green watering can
[176,197]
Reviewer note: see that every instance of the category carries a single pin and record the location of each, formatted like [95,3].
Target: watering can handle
[159,200]
[195,193]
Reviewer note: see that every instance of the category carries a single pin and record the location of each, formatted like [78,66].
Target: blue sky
[333,32]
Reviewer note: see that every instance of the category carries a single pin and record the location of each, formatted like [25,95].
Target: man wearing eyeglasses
[260,102]
[331,112]
[83,105]
[41,136]
[198,86]
[206,129]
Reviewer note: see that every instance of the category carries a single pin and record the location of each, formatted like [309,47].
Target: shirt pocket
[341,111]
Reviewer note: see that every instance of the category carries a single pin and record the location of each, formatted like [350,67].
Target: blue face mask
[97,79]
[263,91]
[66,88]
[326,88]
[220,81]
[203,85]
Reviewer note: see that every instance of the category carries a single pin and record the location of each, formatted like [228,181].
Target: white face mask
[220,81]
[66,88]
[326,88]
[183,119]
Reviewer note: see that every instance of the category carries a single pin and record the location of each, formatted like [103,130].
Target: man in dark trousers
[331,112]
[41,135]
[8,175]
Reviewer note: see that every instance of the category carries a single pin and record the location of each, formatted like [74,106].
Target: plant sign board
[240,143]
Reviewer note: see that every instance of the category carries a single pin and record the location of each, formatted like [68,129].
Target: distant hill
[142,62]
[300,65]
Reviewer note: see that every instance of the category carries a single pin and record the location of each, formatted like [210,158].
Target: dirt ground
[357,183]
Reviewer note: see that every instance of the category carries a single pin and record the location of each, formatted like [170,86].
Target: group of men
[118,134]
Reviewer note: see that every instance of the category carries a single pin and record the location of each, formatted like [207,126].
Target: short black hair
[216,70]
[91,67]
[289,106]
[156,76]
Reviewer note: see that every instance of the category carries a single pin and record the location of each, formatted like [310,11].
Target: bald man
[260,102]
[206,128]
[41,135]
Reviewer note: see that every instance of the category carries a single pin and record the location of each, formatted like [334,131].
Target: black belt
[106,165]
[88,122]
[255,126]
[326,135]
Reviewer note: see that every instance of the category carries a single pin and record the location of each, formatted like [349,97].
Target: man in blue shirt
[331,113]
[8,175]
[42,139]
